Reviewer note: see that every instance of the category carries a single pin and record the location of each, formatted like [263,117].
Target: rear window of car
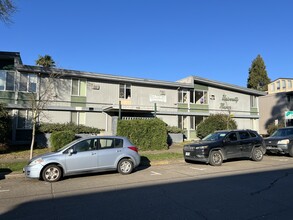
[110,143]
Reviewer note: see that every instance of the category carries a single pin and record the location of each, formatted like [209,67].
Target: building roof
[280,79]
[227,86]
[101,76]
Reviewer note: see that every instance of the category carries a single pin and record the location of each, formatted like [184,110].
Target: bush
[3,148]
[59,139]
[272,128]
[78,129]
[174,129]
[150,134]
[5,122]
[214,123]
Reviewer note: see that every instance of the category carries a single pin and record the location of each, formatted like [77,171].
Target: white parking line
[4,190]
[194,168]
[155,173]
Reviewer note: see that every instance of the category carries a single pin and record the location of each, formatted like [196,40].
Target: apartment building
[98,100]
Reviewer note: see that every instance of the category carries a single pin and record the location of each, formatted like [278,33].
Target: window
[7,80]
[182,122]
[283,84]
[28,82]
[244,135]
[253,101]
[104,143]
[24,119]
[199,97]
[182,96]
[289,84]
[278,85]
[232,137]
[78,87]
[273,87]
[125,91]
[78,118]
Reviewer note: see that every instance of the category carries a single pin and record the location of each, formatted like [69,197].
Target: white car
[85,155]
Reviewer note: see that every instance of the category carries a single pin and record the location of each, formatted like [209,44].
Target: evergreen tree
[258,78]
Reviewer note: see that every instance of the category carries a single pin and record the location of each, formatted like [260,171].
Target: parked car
[85,155]
[223,145]
[281,141]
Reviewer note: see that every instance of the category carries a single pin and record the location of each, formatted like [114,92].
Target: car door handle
[94,153]
[118,150]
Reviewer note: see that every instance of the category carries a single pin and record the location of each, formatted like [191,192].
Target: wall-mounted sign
[158,98]
[228,99]
[289,115]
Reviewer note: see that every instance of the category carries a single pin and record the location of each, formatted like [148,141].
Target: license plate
[187,153]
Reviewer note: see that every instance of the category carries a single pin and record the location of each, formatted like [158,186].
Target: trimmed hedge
[59,139]
[149,134]
[78,129]
[214,123]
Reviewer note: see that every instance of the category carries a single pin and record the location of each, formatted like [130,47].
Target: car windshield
[215,136]
[283,132]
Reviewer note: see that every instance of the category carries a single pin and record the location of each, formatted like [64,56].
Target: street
[240,189]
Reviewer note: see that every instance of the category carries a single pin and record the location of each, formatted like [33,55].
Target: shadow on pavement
[3,172]
[261,195]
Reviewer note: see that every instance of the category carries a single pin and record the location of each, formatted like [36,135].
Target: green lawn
[15,161]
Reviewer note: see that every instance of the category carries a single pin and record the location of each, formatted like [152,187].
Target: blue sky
[156,39]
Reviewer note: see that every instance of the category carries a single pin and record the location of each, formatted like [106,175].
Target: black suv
[223,145]
[281,141]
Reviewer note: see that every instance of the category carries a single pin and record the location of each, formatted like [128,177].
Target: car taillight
[133,148]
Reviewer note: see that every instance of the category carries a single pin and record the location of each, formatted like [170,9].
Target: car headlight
[36,161]
[285,141]
[202,147]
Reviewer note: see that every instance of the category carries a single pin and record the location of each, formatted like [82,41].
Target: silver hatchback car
[85,155]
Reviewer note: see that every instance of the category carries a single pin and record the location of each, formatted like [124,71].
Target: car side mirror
[70,152]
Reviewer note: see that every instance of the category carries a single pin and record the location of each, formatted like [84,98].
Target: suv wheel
[216,158]
[291,152]
[257,154]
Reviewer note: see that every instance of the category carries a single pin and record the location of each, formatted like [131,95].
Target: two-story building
[277,106]
[98,100]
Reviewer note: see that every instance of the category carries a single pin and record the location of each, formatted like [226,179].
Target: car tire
[216,158]
[257,154]
[51,173]
[125,166]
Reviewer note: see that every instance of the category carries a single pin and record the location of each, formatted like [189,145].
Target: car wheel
[51,173]
[216,158]
[125,166]
[188,161]
[257,154]
[291,152]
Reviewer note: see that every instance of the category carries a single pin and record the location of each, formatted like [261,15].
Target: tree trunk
[33,135]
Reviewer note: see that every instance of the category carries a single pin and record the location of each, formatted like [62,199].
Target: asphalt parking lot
[239,189]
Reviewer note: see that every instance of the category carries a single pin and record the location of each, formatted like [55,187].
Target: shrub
[5,122]
[150,134]
[78,129]
[272,128]
[3,148]
[214,123]
[59,139]
[174,129]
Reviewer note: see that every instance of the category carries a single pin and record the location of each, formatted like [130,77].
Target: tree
[7,8]
[46,93]
[45,61]
[258,78]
